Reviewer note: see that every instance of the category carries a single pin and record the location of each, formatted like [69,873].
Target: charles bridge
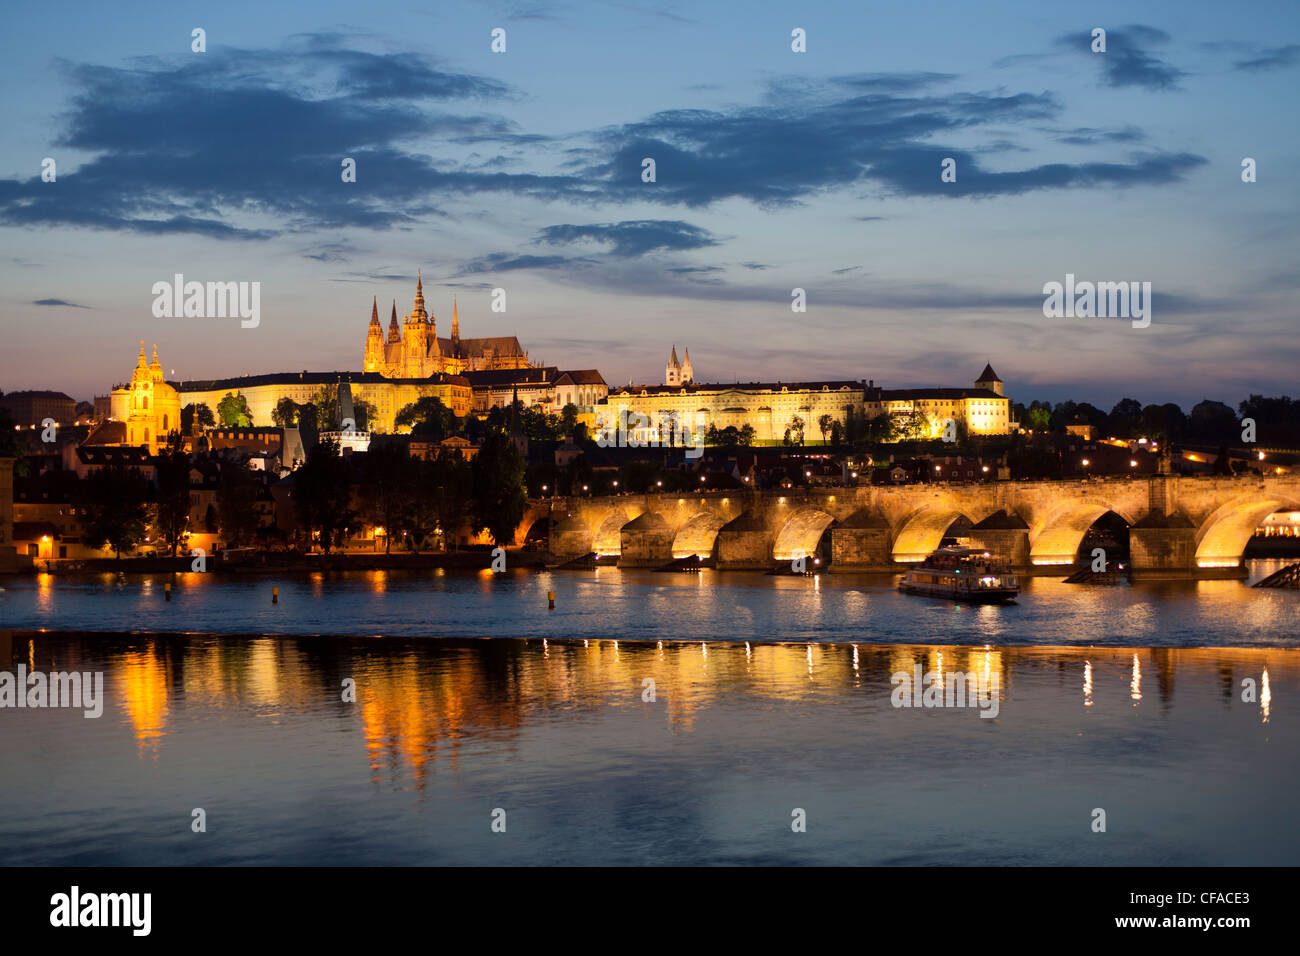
[1178,526]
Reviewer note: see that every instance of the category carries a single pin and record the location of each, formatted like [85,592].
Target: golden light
[1132,463]
[1086,463]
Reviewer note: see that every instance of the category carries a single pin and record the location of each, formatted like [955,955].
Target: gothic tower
[688,374]
[374,361]
[673,371]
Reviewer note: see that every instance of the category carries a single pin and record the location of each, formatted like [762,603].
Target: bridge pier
[862,543]
[570,539]
[745,543]
[1164,546]
[1006,536]
[646,542]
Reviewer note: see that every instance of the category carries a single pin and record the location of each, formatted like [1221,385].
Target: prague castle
[416,351]
[471,375]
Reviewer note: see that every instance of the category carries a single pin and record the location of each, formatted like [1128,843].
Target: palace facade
[772,407]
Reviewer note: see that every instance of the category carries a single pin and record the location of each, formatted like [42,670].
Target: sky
[522,170]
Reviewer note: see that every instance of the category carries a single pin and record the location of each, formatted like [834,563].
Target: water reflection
[419,702]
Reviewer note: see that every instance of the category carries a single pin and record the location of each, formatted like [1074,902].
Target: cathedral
[414,349]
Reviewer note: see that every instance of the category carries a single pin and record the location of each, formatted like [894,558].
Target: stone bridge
[1178,526]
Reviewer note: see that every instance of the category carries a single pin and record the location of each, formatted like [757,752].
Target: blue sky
[775,170]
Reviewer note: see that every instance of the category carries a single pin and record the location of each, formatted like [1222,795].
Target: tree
[428,417]
[197,414]
[1163,422]
[237,496]
[1125,419]
[323,494]
[746,437]
[171,514]
[795,430]
[452,479]
[1037,418]
[569,418]
[366,414]
[388,481]
[911,426]
[233,411]
[499,494]
[12,444]
[285,413]
[114,501]
[824,424]
[326,401]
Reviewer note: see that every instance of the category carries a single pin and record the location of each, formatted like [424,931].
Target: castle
[415,351]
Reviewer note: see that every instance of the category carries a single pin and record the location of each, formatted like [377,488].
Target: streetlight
[659,484]
[1085,463]
[1132,463]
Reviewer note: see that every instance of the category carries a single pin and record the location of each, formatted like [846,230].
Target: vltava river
[610,603]
[1170,706]
[561,736]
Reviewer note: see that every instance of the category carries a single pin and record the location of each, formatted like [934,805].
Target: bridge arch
[800,534]
[922,530]
[1056,539]
[698,535]
[1223,535]
[608,539]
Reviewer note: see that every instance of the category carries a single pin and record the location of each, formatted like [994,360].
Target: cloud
[254,141]
[633,237]
[1088,136]
[506,262]
[1126,62]
[774,155]
[59,302]
[1270,58]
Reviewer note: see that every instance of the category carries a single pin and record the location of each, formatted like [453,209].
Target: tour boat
[961,574]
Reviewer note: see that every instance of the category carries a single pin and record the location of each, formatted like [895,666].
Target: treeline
[1277,420]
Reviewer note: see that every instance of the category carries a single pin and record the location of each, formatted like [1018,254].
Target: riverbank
[284,562]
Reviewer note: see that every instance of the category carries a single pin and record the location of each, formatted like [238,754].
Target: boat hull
[982,596]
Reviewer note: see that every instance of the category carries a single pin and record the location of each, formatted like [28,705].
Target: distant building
[982,410]
[546,386]
[770,408]
[33,407]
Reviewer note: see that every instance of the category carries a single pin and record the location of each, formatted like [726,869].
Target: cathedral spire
[374,312]
[418,314]
[141,363]
[394,334]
